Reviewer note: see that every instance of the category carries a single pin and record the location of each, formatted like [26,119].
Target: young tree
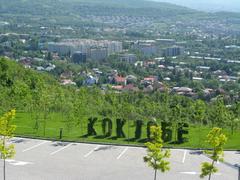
[199,112]
[45,103]
[176,117]
[155,157]
[218,113]
[199,115]
[217,140]
[6,132]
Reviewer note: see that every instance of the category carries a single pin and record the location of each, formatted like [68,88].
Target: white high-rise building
[69,46]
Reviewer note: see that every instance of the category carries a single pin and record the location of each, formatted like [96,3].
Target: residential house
[149,63]
[131,79]
[118,87]
[50,67]
[90,80]
[40,68]
[66,75]
[159,86]
[130,87]
[119,80]
[67,82]
[26,62]
[149,80]
[183,91]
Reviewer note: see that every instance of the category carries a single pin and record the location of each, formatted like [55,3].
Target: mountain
[76,12]
[208,5]
[114,7]
[85,13]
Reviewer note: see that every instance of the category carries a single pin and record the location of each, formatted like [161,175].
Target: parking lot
[52,160]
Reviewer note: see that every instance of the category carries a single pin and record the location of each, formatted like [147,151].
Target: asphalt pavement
[53,160]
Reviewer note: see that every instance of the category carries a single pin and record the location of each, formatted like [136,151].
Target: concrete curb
[115,144]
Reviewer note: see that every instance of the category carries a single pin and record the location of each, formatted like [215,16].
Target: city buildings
[166,41]
[96,50]
[79,57]
[173,51]
[130,58]
[146,47]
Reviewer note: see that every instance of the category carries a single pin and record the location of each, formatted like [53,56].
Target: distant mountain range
[93,7]
[208,5]
[72,11]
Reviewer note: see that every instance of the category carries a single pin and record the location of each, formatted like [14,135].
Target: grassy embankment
[26,123]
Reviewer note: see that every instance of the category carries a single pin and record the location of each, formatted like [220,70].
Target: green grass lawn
[26,122]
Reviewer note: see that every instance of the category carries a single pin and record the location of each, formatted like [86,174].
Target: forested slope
[18,86]
[43,106]
[75,8]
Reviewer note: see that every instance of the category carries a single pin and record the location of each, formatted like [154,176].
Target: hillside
[84,13]
[21,6]
[43,106]
[73,8]
[19,86]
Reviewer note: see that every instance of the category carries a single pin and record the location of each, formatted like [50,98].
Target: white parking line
[197,173]
[17,163]
[190,173]
[64,147]
[184,156]
[35,146]
[120,155]
[90,152]
[181,150]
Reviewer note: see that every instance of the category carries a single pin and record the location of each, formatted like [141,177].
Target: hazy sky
[208,5]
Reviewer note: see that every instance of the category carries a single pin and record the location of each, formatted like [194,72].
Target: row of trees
[76,106]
